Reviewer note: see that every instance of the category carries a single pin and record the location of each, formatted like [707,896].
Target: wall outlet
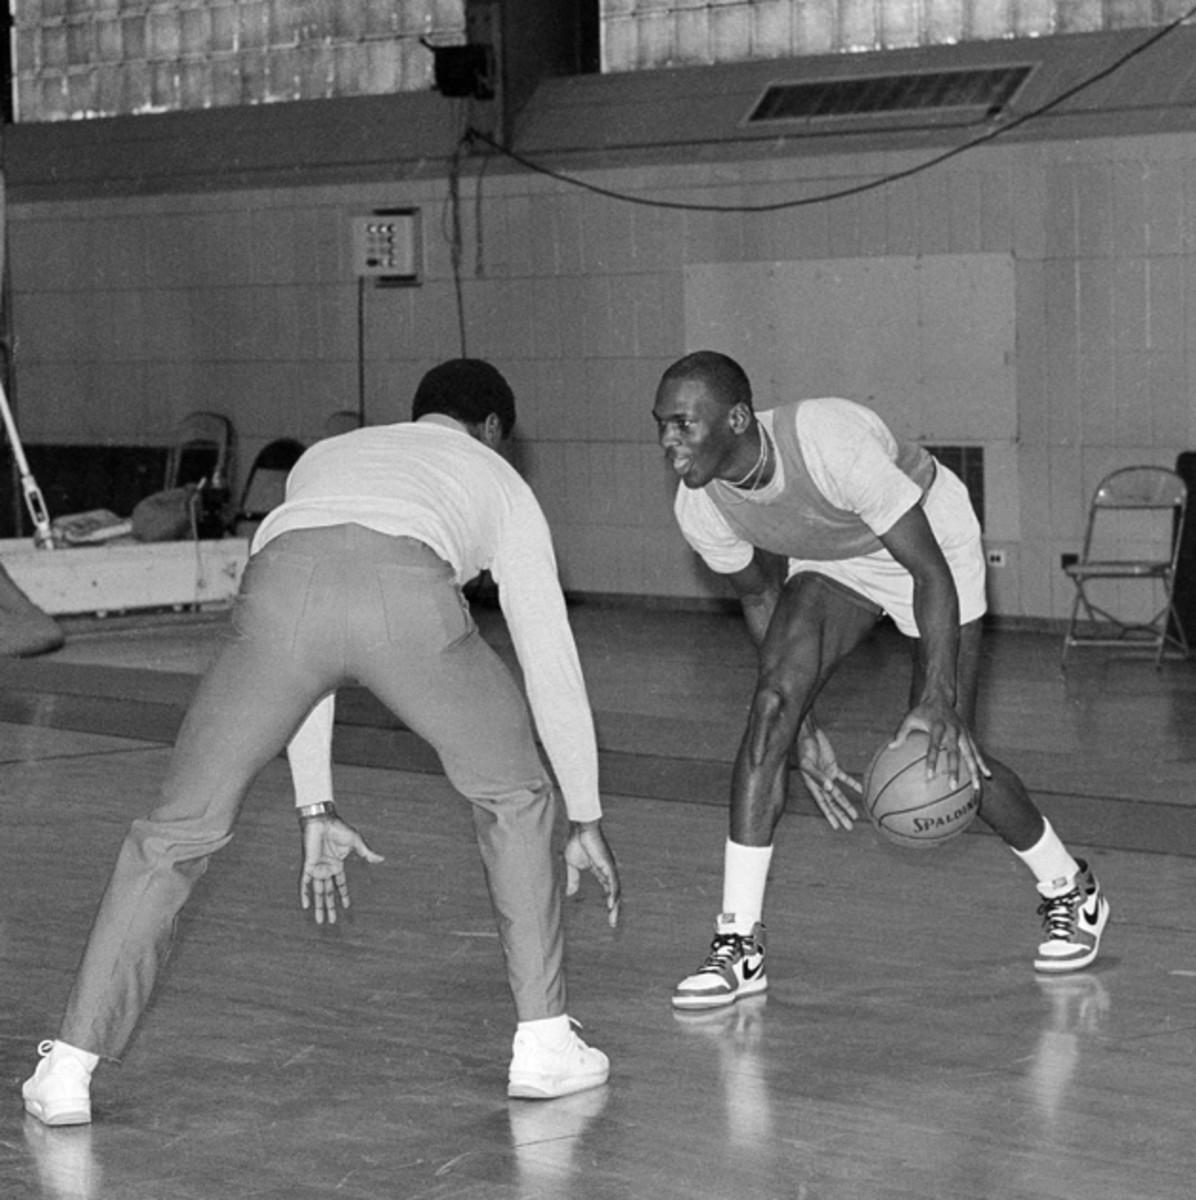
[995,558]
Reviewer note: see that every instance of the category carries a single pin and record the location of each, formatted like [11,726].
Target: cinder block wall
[131,311]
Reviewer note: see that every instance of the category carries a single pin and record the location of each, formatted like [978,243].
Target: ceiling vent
[957,96]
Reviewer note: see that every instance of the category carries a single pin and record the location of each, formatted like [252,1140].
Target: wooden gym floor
[905,1049]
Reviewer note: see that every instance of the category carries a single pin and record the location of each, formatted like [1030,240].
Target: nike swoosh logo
[1092,911]
[750,972]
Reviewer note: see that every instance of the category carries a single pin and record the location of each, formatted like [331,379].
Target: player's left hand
[587,850]
[327,842]
[822,775]
[951,743]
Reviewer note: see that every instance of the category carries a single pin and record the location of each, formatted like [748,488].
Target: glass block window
[74,59]
[645,34]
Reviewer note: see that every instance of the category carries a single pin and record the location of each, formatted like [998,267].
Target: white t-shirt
[431,480]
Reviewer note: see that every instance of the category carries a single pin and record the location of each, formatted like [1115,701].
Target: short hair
[722,374]
[468,389]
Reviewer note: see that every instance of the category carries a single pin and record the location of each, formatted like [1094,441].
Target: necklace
[758,467]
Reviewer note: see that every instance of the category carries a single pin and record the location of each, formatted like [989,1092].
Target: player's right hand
[327,842]
[951,743]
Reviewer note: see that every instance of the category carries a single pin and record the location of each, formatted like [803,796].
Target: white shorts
[880,578]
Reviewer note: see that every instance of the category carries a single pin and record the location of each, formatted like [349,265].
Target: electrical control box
[387,247]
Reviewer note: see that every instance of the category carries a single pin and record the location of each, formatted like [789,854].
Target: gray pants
[319,608]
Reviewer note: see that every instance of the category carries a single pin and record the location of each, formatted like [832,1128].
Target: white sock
[745,878]
[548,1031]
[1053,867]
[85,1058]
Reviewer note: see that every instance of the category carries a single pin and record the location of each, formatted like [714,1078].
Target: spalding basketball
[909,809]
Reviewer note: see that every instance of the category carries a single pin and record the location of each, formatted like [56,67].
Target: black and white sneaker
[1072,925]
[733,968]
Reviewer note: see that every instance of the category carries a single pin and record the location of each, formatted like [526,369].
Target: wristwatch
[312,812]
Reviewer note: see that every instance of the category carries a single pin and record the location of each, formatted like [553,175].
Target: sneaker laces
[725,951]
[1059,914]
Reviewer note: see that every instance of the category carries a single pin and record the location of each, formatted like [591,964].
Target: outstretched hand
[822,775]
[587,850]
[327,842]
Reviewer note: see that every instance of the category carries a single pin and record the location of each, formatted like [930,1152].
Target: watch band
[310,812]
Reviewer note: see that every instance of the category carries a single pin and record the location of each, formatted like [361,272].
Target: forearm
[758,586]
[936,611]
[556,691]
[529,593]
[572,748]
[757,613]
[309,754]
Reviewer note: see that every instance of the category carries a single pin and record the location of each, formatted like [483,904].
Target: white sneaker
[59,1091]
[542,1071]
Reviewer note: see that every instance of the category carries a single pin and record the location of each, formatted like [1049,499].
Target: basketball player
[357,578]
[865,525]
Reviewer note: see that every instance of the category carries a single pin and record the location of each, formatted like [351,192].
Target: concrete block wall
[131,311]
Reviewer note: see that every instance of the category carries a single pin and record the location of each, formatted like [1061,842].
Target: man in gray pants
[356,578]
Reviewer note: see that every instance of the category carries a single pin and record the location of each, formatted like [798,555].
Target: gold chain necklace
[758,467]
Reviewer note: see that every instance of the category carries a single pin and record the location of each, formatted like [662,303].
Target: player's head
[469,390]
[704,419]
[720,374]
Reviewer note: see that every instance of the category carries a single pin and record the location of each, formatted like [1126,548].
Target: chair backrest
[342,421]
[1141,487]
[265,485]
[202,449]
[1137,514]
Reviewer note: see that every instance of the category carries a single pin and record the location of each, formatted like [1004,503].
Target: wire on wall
[452,228]
[472,136]
[452,225]
[361,348]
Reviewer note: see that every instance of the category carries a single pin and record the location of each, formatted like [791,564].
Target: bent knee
[772,722]
[156,843]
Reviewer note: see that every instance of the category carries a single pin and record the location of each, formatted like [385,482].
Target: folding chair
[265,485]
[202,450]
[1128,564]
[342,421]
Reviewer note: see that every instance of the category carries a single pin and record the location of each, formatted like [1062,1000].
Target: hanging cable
[361,349]
[472,135]
[479,265]
[451,228]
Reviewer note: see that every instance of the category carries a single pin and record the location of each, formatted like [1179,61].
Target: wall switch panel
[386,246]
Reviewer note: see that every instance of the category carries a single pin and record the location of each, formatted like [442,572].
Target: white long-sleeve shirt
[431,480]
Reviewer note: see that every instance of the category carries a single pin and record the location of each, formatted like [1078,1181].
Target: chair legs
[1091,624]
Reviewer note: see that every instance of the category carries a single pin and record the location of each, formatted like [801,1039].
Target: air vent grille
[987,89]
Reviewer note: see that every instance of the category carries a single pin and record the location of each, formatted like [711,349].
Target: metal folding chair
[201,450]
[265,485]
[344,420]
[1125,574]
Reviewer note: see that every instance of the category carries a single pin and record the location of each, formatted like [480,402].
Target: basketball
[909,809]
